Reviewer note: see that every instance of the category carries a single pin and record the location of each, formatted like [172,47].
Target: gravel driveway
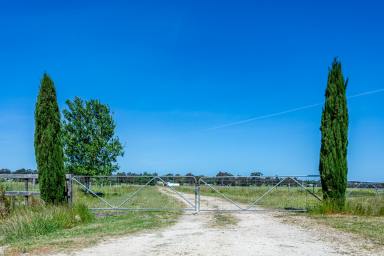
[252,233]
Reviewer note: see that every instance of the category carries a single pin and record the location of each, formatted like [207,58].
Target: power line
[290,110]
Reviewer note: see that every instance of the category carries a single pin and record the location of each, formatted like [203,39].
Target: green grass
[50,228]
[41,220]
[18,185]
[362,202]
[372,204]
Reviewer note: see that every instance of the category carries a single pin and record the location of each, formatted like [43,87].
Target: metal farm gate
[189,193]
[248,193]
[134,193]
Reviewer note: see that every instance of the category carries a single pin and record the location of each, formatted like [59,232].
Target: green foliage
[48,146]
[30,222]
[334,138]
[82,213]
[90,145]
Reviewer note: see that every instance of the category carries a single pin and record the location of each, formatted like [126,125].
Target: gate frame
[252,204]
[131,195]
[197,183]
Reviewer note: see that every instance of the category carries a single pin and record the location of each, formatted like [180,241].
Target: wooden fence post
[69,188]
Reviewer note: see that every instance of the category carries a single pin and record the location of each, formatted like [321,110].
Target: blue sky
[172,70]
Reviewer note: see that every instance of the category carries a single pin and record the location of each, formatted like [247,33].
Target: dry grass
[221,220]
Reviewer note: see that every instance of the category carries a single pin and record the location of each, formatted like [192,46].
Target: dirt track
[255,233]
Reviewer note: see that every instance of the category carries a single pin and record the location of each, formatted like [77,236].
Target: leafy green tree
[48,145]
[334,137]
[90,144]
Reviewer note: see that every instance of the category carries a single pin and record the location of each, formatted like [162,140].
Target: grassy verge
[42,229]
[363,215]
[90,233]
[365,226]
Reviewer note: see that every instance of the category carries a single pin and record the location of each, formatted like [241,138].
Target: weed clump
[41,220]
[362,206]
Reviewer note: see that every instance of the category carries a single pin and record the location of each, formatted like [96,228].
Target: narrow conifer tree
[334,137]
[48,145]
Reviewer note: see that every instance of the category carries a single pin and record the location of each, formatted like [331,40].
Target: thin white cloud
[248,120]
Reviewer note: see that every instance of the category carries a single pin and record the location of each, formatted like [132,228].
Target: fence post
[26,189]
[69,189]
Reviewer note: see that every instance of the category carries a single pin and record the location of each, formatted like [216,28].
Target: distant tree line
[148,173]
[18,171]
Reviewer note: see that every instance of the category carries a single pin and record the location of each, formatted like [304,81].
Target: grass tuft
[41,220]
[368,205]
[221,219]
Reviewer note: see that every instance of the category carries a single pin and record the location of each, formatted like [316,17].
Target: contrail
[291,110]
[365,93]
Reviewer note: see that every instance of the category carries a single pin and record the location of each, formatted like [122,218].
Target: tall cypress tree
[48,145]
[334,137]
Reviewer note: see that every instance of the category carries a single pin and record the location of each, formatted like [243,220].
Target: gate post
[196,197]
[69,189]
